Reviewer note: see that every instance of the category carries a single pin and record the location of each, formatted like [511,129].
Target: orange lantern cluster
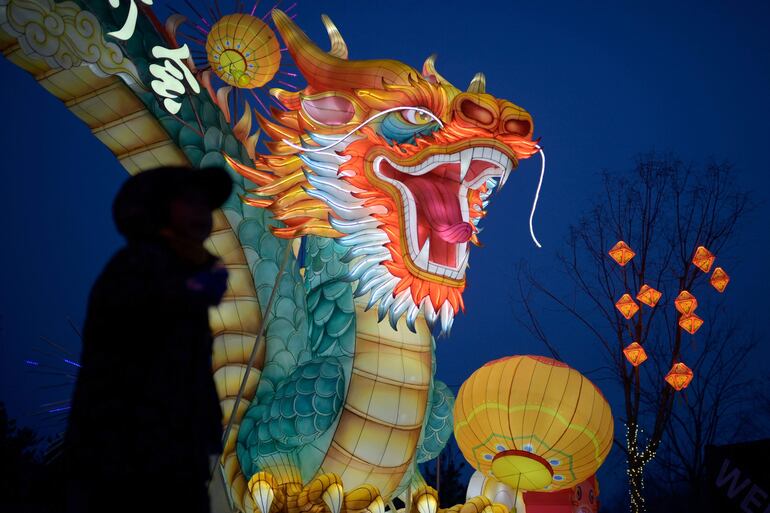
[649,296]
[703,259]
[686,304]
[679,376]
[627,306]
[621,253]
[635,354]
[719,279]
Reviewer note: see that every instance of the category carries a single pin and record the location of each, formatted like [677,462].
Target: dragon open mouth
[435,199]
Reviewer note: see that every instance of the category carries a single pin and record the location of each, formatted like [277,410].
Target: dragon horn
[478,84]
[339,48]
[328,72]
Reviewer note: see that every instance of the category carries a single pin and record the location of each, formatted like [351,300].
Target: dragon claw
[262,488]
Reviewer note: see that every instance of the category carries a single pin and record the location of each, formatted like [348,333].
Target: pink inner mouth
[438,207]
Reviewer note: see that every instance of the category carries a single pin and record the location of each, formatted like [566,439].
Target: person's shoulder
[136,259]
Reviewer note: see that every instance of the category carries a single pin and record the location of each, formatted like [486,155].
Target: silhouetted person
[145,414]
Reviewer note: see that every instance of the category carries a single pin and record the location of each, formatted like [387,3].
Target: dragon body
[384,172]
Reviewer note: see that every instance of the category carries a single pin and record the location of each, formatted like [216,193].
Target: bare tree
[664,210]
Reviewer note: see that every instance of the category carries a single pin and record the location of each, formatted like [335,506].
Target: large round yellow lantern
[243,51]
[533,423]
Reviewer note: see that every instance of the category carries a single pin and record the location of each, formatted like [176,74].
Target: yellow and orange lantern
[690,323]
[719,279]
[635,354]
[679,377]
[621,253]
[627,306]
[243,51]
[649,296]
[685,303]
[703,259]
[532,423]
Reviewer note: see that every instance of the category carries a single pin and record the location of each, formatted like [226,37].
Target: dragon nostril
[518,126]
[475,112]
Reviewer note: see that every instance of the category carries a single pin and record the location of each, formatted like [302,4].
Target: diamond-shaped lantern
[627,306]
[635,354]
[685,302]
[621,253]
[690,323]
[703,259]
[679,376]
[649,296]
[719,279]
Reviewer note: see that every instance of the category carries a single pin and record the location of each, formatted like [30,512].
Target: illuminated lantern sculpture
[690,323]
[635,353]
[703,259]
[679,376]
[719,279]
[649,296]
[627,306]
[532,423]
[243,51]
[621,253]
[685,303]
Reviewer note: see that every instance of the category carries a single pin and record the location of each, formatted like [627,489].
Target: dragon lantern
[384,171]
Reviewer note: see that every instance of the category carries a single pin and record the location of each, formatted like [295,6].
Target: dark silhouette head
[175,199]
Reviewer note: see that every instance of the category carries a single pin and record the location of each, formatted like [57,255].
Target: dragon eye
[417,117]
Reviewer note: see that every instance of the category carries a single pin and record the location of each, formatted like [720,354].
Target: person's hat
[141,207]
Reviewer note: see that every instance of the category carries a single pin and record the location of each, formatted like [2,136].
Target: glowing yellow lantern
[532,423]
[690,323]
[635,354]
[685,302]
[719,279]
[679,376]
[627,306]
[243,51]
[703,259]
[621,253]
[649,296]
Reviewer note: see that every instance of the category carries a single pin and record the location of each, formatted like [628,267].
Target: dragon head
[395,164]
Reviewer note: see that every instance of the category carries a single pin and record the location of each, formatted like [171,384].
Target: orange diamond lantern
[621,253]
[685,302]
[627,306]
[649,296]
[719,279]
[703,259]
[635,354]
[690,323]
[679,376]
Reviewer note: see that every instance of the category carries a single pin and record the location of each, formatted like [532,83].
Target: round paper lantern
[533,423]
[243,51]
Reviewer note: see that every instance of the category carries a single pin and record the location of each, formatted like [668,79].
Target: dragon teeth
[465,162]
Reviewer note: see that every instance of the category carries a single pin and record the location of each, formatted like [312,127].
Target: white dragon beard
[365,240]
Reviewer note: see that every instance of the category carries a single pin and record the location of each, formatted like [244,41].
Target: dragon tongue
[437,204]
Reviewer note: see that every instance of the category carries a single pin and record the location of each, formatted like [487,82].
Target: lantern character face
[703,259]
[649,296]
[621,253]
[394,164]
[690,323]
[635,354]
[685,303]
[585,497]
[719,279]
[679,377]
[627,306]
